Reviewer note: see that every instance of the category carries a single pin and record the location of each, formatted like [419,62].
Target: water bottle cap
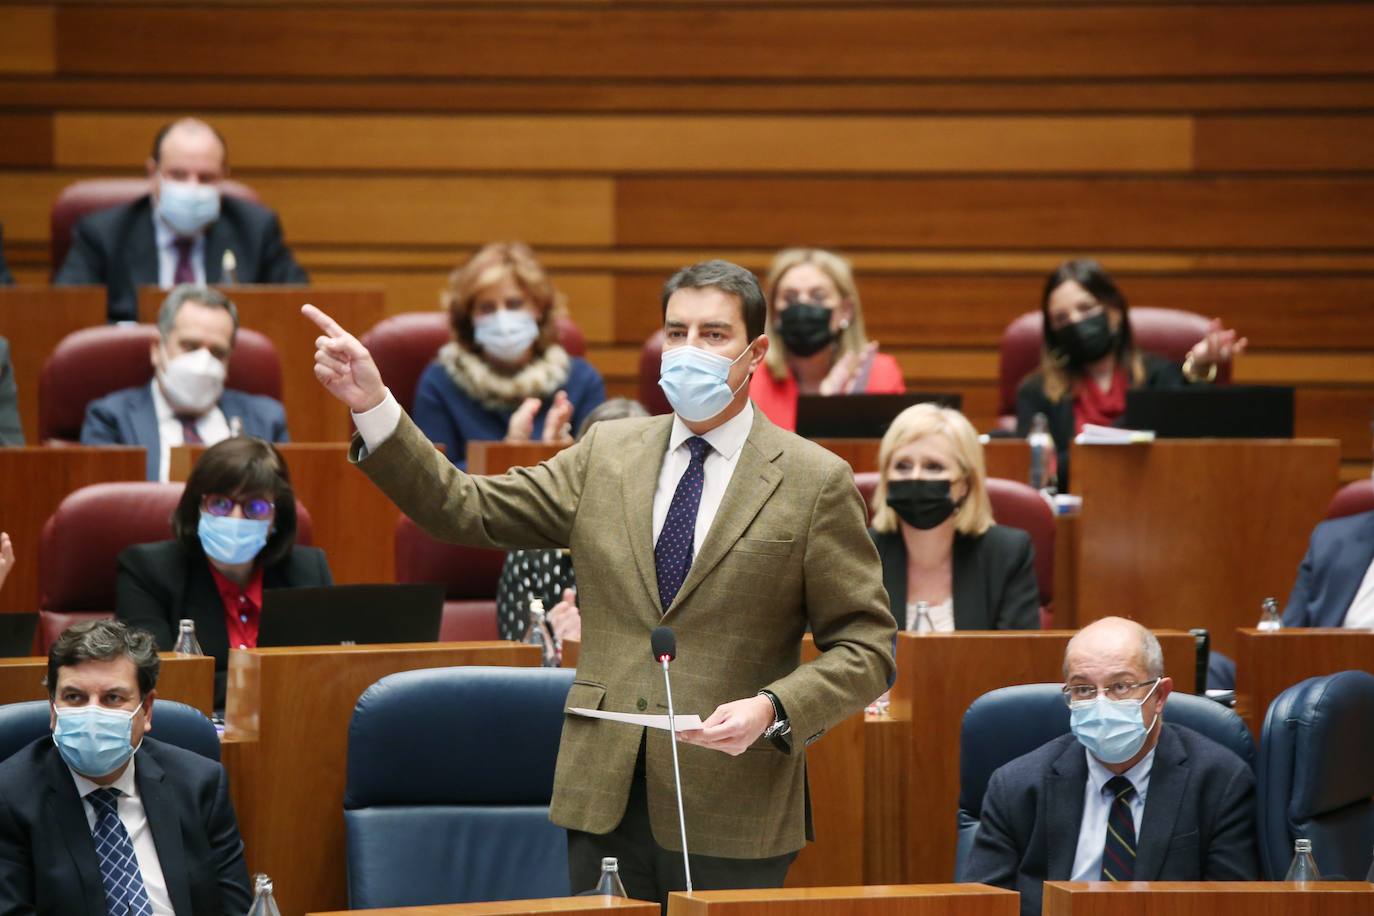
[186,623]
[1302,845]
[610,864]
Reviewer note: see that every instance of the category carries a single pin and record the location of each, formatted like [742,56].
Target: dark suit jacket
[6,279]
[994,579]
[128,417]
[117,248]
[1199,822]
[162,583]
[11,432]
[48,862]
[1031,400]
[1338,556]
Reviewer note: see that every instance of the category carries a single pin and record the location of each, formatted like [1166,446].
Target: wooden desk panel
[34,319]
[938,676]
[549,906]
[286,749]
[33,480]
[1196,533]
[1208,898]
[351,519]
[186,679]
[1268,663]
[312,414]
[500,457]
[881,900]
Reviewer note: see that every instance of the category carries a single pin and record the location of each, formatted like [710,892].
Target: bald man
[1125,796]
[182,231]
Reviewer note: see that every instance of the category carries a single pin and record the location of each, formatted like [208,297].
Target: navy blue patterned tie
[675,548]
[124,890]
[1118,855]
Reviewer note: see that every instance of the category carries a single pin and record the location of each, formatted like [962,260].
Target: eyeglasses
[257,508]
[1083,694]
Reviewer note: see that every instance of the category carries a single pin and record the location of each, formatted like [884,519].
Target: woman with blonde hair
[946,564]
[503,376]
[816,337]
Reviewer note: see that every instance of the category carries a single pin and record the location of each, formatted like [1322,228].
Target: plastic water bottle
[1270,621]
[187,644]
[920,618]
[610,884]
[264,904]
[1044,462]
[1304,867]
[537,634]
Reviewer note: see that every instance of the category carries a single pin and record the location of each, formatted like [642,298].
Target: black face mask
[921,504]
[1087,340]
[805,328]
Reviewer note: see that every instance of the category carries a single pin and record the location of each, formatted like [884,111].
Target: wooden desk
[33,480]
[1009,458]
[1196,532]
[35,318]
[938,676]
[286,749]
[1208,898]
[186,679]
[350,518]
[549,906]
[1267,663]
[312,414]
[882,900]
[500,457]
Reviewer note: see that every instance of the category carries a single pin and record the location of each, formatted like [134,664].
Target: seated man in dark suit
[186,402]
[97,817]
[1335,586]
[1125,797]
[184,231]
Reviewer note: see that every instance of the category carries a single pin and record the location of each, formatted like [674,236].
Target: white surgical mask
[505,334]
[191,382]
[1111,730]
[696,381]
[187,207]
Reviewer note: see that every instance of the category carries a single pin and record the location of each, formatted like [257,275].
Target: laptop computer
[16,635]
[860,416]
[350,614]
[1212,411]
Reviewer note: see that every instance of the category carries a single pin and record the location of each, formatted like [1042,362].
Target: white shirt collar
[126,783]
[726,439]
[1139,775]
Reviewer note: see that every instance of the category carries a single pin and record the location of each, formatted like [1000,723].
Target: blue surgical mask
[506,334]
[187,207]
[696,382]
[93,740]
[1111,730]
[232,540]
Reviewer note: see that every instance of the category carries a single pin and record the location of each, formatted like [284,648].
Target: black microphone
[663,642]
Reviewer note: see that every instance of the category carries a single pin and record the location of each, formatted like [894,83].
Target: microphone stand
[677,774]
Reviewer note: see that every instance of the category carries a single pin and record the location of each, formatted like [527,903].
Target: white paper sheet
[684,723]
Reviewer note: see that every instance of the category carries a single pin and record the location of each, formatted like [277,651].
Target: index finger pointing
[323,321]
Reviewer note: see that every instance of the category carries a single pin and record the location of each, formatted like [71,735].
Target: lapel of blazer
[968,587]
[219,238]
[143,419]
[69,814]
[1353,556]
[1168,782]
[892,555]
[166,827]
[141,249]
[1064,806]
[756,477]
[639,481]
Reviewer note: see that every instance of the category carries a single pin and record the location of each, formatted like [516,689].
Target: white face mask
[191,382]
[506,334]
[187,207]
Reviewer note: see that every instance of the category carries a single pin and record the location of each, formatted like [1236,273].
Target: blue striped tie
[1118,855]
[125,894]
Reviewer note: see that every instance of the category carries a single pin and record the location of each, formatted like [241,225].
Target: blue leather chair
[1316,775]
[450,774]
[1004,724]
[173,723]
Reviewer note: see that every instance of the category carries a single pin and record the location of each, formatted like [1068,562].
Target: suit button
[641,704]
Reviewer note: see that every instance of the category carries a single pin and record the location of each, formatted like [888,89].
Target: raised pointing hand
[343,366]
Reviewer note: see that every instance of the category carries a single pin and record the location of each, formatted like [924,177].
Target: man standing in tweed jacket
[738,535]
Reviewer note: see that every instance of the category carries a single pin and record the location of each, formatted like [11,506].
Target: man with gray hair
[186,403]
[1125,796]
[96,816]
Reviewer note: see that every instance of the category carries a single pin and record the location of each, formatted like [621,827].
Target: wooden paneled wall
[1217,157]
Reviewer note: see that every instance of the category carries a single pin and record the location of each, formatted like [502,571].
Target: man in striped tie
[1125,796]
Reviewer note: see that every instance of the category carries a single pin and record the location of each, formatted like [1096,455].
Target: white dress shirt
[1097,804]
[212,427]
[167,254]
[135,821]
[1361,613]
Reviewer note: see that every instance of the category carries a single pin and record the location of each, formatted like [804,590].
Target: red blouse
[1093,405]
[778,399]
[242,607]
